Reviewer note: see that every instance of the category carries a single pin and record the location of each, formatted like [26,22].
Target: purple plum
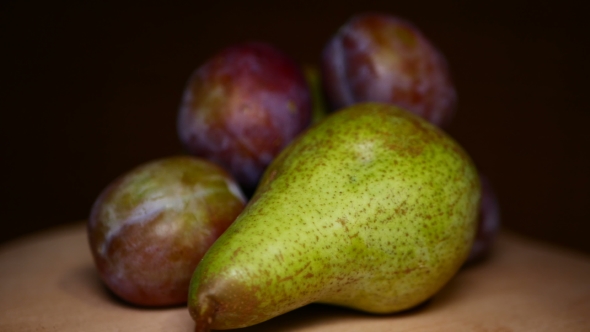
[382,58]
[242,107]
[488,223]
[150,227]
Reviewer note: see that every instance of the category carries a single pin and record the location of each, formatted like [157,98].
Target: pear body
[372,208]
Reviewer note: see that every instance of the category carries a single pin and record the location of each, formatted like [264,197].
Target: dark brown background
[91,90]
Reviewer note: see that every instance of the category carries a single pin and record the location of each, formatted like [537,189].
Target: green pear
[372,208]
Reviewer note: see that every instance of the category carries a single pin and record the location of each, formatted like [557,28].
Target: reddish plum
[149,228]
[383,58]
[242,107]
[488,223]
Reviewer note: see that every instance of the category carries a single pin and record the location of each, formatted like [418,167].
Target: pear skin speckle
[373,208]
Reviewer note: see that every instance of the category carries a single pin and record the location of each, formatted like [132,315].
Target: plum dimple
[242,107]
[382,58]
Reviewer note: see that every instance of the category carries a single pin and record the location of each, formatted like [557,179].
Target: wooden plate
[48,283]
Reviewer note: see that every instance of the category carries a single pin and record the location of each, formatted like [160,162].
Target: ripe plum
[382,58]
[149,228]
[488,223]
[242,107]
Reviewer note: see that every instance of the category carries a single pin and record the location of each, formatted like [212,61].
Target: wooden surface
[48,283]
